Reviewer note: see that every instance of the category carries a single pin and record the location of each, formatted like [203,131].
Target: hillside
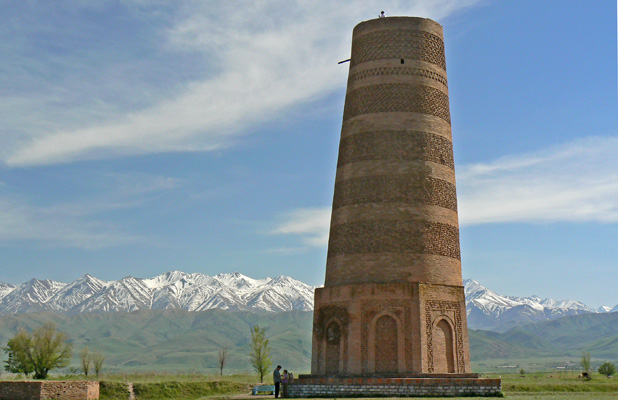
[176,339]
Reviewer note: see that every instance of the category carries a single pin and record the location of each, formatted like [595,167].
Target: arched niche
[443,347]
[332,337]
[386,344]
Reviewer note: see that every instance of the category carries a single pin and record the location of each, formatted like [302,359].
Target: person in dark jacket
[277,380]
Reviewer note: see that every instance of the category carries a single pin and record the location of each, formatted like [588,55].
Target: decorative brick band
[413,190]
[420,237]
[399,43]
[397,71]
[397,97]
[396,145]
[395,387]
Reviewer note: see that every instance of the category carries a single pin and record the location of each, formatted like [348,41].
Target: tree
[98,359]
[39,352]
[222,359]
[16,349]
[260,351]
[608,369]
[585,364]
[85,358]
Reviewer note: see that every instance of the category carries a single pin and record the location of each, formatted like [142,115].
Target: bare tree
[260,351]
[85,358]
[585,364]
[97,359]
[222,359]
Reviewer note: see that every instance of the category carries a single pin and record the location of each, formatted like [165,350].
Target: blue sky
[142,137]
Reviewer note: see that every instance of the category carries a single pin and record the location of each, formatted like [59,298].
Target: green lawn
[536,386]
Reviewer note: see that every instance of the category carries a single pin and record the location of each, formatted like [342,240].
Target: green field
[515,386]
[545,385]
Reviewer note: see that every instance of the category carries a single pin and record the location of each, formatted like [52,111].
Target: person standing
[284,383]
[277,380]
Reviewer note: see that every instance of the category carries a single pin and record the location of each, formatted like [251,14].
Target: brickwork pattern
[396,145]
[397,97]
[35,390]
[396,71]
[410,189]
[385,345]
[333,348]
[395,387]
[398,43]
[415,236]
[399,308]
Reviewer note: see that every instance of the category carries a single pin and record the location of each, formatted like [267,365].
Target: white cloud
[264,57]
[310,224]
[575,182]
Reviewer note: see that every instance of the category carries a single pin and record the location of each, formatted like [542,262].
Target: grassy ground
[555,383]
[536,386]
[175,386]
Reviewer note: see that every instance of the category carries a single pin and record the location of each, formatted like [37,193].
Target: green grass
[183,386]
[548,382]
[174,386]
[113,390]
[158,377]
[186,390]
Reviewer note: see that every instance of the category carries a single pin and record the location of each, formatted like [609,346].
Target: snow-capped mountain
[487,309]
[176,289]
[30,296]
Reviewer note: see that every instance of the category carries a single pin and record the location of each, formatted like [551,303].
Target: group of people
[281,381]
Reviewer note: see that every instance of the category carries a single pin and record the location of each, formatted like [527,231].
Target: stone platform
[44,390]
[421,385]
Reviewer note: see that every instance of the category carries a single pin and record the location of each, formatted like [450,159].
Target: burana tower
[393,299]
[391,317]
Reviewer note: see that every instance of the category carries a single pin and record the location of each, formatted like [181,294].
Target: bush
[608,369]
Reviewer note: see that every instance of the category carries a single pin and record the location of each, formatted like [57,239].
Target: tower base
[422,385]
[397,329]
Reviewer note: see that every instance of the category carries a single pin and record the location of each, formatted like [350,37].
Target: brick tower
[393,300]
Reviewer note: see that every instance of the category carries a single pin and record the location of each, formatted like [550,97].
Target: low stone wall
[39,390]
[394,387]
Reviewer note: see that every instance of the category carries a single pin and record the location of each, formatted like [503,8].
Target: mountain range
[486,309]
[489,310]
[171,290]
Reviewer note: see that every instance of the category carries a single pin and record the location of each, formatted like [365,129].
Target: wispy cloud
[55,227]
[575,182]
[311,225]
[263,57]
[80,223]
